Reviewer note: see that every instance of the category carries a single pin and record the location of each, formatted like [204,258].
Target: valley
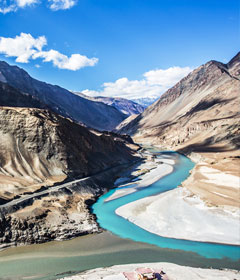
[119,140]
[166,178]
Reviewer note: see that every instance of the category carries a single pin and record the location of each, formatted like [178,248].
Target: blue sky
[127,44]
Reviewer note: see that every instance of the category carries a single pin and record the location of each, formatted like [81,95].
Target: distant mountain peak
[204,105]
[125,106]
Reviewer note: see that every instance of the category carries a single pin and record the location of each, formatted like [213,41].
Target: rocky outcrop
[51,218]
[96,115]
[58,213]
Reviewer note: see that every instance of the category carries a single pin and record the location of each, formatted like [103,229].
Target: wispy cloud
[7,9]
[25,47]
[7,6]
[56,5]
[153,84]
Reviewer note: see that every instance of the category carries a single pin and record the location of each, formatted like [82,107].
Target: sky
[127,48]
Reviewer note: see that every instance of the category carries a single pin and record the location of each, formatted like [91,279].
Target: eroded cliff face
[50,218]
[39,148]
[51,170]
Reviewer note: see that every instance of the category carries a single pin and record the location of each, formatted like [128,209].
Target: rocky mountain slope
[43,157]
[125,122]
[202,108]
[51,169]
[93,114]
[39,147]
[11,97]
[127,107]
[200,117]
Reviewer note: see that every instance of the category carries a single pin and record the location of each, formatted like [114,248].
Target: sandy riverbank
[179,214]
[216,178]
[153,170]
[173,271]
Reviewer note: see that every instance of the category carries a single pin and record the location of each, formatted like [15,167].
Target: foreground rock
[173,272]
[58,213]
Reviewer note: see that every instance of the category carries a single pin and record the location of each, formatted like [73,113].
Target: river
[107,218]
[117,245]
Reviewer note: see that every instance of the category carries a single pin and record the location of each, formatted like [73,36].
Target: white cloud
[166,77]
[62,4]
[154,83]
[24,3]
[4,9]
[25,47]
[74,62]
[7,6]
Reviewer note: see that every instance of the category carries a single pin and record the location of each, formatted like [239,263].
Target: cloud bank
[7,6]
[25,47]
[153,84]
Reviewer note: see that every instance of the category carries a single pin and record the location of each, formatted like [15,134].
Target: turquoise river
[107,218]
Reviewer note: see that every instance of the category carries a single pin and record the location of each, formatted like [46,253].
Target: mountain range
[127,107]
[145,101]
[96,115]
